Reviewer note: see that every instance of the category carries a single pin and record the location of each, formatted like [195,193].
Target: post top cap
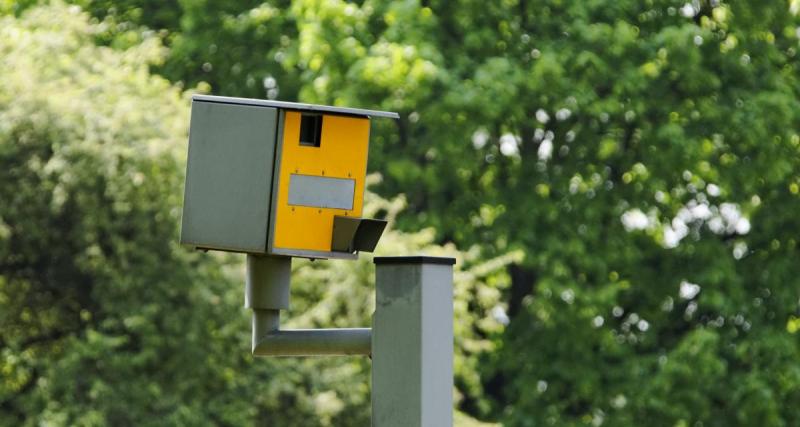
[417,259]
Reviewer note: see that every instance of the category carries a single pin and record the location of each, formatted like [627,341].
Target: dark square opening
[310,130]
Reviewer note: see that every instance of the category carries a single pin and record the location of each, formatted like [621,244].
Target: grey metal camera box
[272,177]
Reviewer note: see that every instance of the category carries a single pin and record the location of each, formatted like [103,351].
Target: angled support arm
[267,292]
[269,340]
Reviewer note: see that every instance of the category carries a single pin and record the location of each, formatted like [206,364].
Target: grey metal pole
[412,343]
[267,282]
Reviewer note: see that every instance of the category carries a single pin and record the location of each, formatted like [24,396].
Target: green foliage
[629,149]
[99,323]
[642,155]
[104,319]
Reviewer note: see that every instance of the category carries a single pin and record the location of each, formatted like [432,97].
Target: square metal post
[412,342]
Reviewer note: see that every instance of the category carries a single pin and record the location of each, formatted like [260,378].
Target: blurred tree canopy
[631,165]
[104,319]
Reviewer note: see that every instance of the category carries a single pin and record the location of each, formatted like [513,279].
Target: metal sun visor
[356,234]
